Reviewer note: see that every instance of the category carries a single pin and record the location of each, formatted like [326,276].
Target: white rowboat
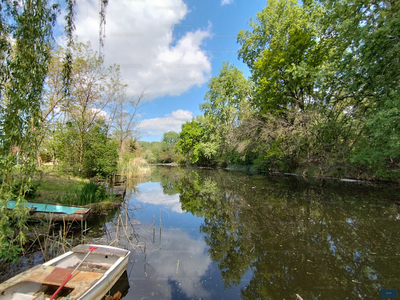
[92,280]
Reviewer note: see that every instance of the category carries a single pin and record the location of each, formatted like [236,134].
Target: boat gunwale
[112,274]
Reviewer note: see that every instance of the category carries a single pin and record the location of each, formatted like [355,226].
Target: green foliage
[380,146]
[90,193]
[367,35]
[325,93]
[28,189]
[25,42]
[100,153]
[161,152]
[190,138]
[226,100]
[225,97]
[286,53]
[170,138]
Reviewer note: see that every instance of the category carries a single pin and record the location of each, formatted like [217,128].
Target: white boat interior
[94,277]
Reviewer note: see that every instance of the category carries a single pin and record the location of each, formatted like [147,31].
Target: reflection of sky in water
[152,193]
[150,199]
[177,264]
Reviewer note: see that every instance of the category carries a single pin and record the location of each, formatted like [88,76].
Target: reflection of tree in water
[337,242]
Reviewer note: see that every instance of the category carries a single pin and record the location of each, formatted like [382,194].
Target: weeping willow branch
[102,28]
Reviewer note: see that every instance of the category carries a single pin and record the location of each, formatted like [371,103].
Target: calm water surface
[213,234]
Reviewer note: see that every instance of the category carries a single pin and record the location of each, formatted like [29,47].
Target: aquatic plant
[90,193]
[134,167]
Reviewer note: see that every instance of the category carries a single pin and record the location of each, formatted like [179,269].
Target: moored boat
[95,275]
[54,212]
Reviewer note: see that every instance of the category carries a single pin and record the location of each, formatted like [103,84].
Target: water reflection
[178,264]
[153,193]
[213,234]
[296,238]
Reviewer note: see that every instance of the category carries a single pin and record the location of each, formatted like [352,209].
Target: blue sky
[170,49]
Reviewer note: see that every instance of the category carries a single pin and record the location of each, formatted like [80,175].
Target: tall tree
[26,37]
[123,111]
[286,53]
[225,100]
[88,99]
[368,34]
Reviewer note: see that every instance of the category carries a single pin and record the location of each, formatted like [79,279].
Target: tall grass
[53,240]
[90,193]
[134,167]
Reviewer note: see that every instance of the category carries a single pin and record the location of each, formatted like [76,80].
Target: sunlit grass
[52,186]
[68,190]
[90,193]
[134,167]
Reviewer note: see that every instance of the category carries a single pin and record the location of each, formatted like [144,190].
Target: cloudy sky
[169,48]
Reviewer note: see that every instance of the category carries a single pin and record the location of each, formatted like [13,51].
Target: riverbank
[54,188]
[313,172]
[51,185]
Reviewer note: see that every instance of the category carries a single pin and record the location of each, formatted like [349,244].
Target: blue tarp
[41,207]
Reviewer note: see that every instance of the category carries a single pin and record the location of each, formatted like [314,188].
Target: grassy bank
[55,188]
[51,186]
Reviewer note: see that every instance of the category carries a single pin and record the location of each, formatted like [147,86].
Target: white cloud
[171,122]
[225,2]
[100,113]
[155,195]
[139,38]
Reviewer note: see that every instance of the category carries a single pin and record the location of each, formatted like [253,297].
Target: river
[214,234]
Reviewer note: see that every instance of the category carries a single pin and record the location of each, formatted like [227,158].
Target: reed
[90,193]
[134,167]
[53,239]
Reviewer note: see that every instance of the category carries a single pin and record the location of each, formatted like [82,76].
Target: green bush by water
[30,188]
[90,193]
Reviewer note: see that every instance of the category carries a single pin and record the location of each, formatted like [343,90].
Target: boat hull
[94,278]
[54,212]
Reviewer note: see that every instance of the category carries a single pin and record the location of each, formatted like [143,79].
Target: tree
[367,33]
[88,100]
[123,111]
[55,103]
[190,139]
[170,138]
[101,152]
[26,38]
[198,141]
[286,52]
[168,143]
[227,96]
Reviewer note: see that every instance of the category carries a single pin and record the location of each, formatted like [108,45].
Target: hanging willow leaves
[69,31]
[26,41]
[102,30]
[25,51]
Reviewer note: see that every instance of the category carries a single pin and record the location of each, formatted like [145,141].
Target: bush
[30,188]
[90,193]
